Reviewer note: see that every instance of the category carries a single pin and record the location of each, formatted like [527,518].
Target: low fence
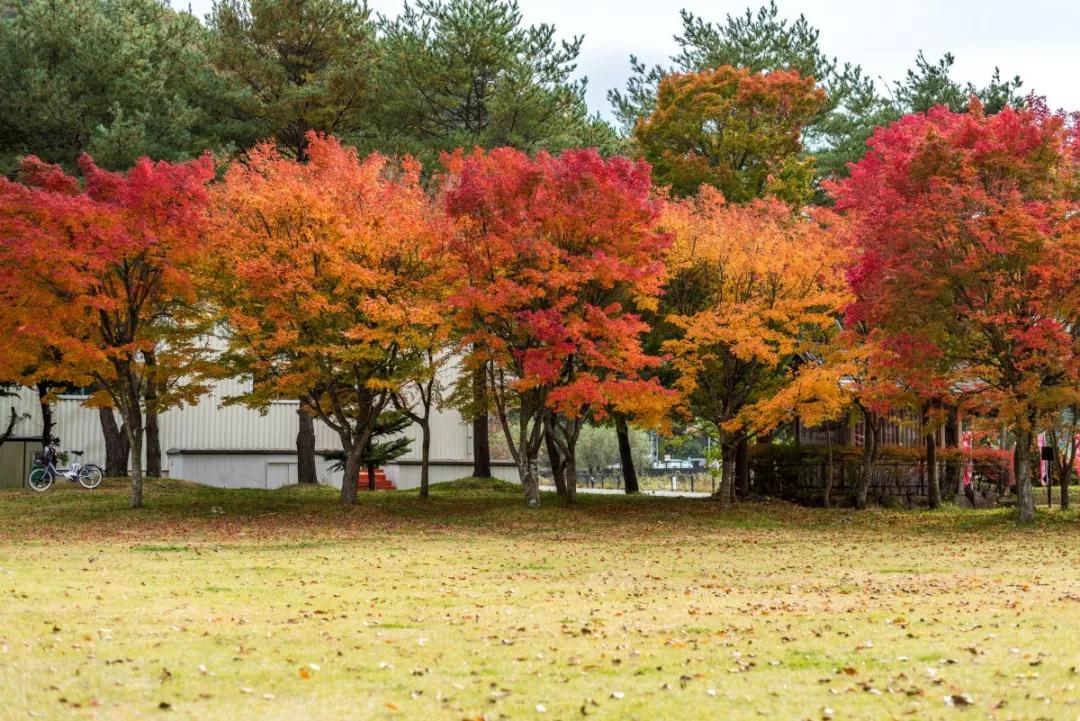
[893,482]
[674,481]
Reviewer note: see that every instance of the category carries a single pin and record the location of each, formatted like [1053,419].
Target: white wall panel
[212,425]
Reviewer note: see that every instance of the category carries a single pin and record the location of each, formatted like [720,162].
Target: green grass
[212,604]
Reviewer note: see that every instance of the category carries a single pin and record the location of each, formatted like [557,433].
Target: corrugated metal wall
[209,425]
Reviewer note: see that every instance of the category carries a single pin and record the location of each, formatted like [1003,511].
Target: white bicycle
[42,476]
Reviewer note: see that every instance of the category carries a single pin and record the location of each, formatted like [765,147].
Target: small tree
[390,425]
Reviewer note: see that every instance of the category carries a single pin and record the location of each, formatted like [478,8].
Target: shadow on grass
[176,509]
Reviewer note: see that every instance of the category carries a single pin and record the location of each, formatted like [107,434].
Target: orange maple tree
[98,271]
[750,288]
[319,270]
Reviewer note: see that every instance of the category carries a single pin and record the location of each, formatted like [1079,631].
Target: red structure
[382,483]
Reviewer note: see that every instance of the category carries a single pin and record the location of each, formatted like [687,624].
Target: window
[76,393]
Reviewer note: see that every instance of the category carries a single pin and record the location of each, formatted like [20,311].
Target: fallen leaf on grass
[959,700]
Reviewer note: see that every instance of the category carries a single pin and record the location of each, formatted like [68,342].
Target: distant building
[232,446]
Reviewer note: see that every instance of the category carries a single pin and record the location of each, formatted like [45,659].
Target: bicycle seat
[75,453]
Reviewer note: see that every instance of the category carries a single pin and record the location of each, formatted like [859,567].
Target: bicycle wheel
[40,479]
[90,476]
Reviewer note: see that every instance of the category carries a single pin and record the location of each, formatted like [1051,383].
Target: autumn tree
[318,270]
[103,266]
[970,220]
[555,255]
[472,73]
[737,131]
[428,364]
[762,41]
[749,288]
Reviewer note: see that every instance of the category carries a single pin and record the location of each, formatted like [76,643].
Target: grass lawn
[212,604]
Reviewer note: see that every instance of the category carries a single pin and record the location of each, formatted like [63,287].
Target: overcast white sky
[1036,39]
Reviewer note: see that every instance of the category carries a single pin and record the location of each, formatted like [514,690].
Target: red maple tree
[555,256]
[98,269]
[969,256]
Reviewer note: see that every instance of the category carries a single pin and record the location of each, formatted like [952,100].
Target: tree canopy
[118,79]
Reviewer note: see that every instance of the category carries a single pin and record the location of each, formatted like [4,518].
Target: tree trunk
[570,474]
[529,482]
[826,496]
[953,468]
[557,463]
[727,472]
[305,446]
[1025,496]
[481,442]
[46,414]
[135,438]
[153,437]
[869,459]
[425,458]
[371,476]
[352,474]
[152,428]
[1065,488]
[742,465]
[932,487]
[626,457]
[133,425]
[117,445]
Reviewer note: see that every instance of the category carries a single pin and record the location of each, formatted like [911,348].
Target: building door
[280,474]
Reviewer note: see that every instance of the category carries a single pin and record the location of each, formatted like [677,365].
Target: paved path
[619,492]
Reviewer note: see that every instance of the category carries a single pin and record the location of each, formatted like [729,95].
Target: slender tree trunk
[135,441]
[371,476]
[131,411]
[742,465]
[529,482]
[1065,486]
[932,487]
[305,446]
[117,446]
[46,414]
[557,463]
[570,473]
[354,455]
[481,441]
[425,458]
[1025,503]
[153,439]
[727,472]
[352,474]
[954,466]
[13,420]
[626,457]
[869,459]
[828,470]
[153,429]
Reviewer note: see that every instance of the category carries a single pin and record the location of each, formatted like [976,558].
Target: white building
[231,446]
